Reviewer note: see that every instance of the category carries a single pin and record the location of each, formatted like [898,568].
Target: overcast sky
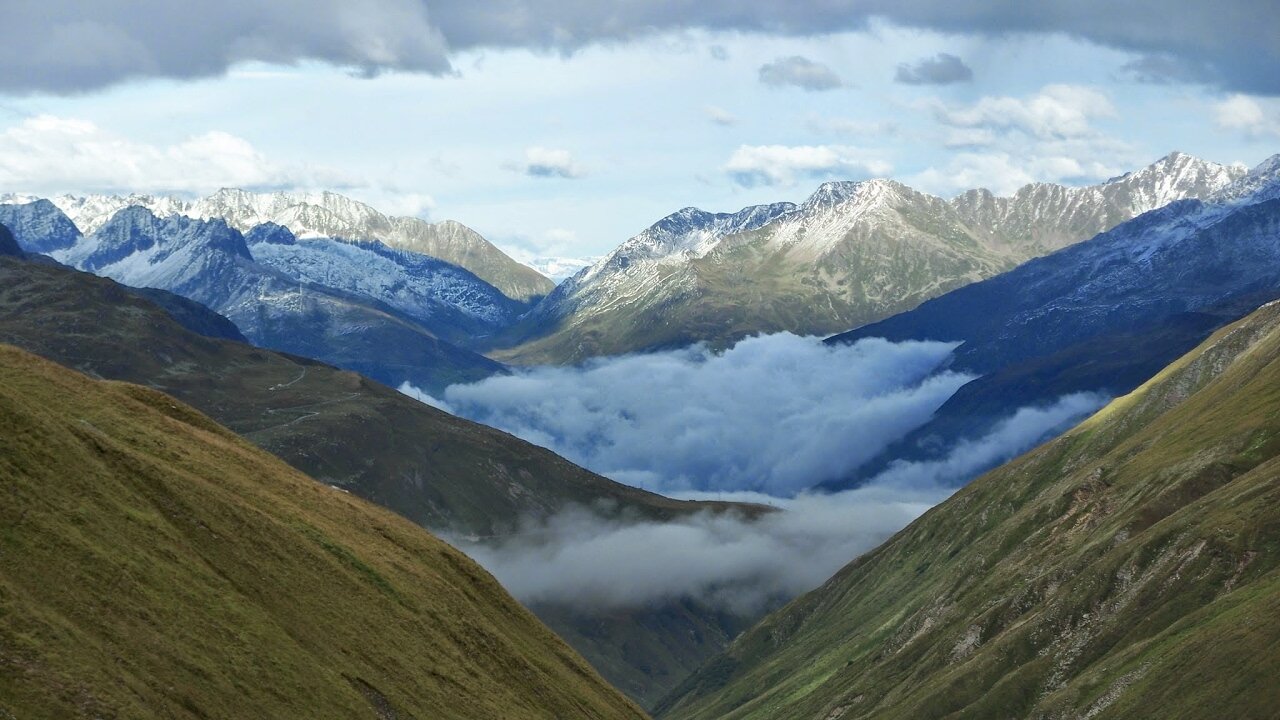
[562,128]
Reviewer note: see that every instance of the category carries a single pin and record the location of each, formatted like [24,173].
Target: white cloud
[778,413]
[550,252]
[408,204]
[762,422]
[800,72]
[719,115]
[1011,437]
[744,566]
[752,165]
[850,127]
[49,154]
[578,559]
[1004,172]
[1003,143]
[1057,111]
[970,138]
[544,162]
[1247,115]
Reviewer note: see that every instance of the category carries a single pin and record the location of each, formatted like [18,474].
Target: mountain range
[390,314]
[1099,315]
[852,253]
[320,215]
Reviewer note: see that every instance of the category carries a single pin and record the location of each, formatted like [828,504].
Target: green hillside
[1130,568]
[153,564]
[440,471]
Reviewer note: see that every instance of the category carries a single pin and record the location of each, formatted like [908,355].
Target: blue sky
[569,151]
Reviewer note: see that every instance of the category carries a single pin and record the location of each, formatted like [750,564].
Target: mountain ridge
[1100,315]
[325,214]
[851,253]
[443,472]
[393,328]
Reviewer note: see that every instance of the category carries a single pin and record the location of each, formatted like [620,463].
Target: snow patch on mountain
[310,215]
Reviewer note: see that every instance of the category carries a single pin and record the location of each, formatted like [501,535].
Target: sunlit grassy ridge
[153,564]
[1128,569]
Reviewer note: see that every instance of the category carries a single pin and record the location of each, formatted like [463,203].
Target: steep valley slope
[1130,568]
[155,565]
[443,472]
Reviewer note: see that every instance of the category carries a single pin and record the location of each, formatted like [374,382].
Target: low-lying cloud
[580,560]
[1011,437]
[763,422]
[776,414]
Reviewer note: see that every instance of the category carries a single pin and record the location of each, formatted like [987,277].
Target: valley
[822,360]
[490,493]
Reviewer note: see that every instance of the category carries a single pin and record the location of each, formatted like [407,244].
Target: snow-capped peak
[695,231]
[1260,184]
[865,193]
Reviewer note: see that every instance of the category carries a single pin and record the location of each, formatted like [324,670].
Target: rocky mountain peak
[39,226]
[271,233]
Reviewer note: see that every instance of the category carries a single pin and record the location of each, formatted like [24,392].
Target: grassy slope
[436,469]
[1130,568]
[153,564]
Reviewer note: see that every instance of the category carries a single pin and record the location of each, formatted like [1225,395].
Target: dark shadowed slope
[1130,568]
[153,564]
[8,245]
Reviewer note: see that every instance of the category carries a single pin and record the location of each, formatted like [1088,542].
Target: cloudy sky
[560,127]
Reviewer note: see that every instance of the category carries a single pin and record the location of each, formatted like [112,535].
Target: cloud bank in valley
[761,422]
[1025,429]
[743,566]
[583,561]
[776,414]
